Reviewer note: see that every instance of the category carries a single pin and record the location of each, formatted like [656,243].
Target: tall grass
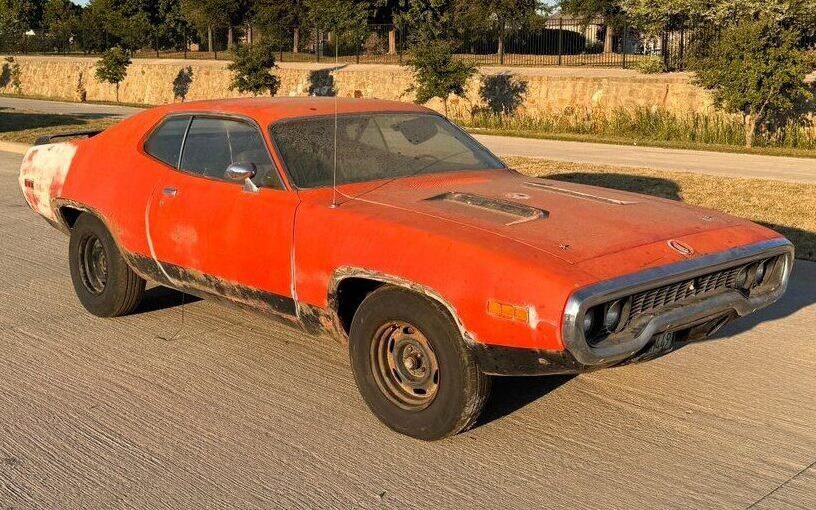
[644,124]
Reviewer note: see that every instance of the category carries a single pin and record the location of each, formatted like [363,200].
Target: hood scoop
[522,213]
[576,194]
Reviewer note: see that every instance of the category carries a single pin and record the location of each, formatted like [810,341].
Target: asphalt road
[193,405]
[64,108]
[715,163]
[705,162]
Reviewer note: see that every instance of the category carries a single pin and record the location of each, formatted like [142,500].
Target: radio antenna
[334,169]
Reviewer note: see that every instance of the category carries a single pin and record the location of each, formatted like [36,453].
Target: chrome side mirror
[242,172]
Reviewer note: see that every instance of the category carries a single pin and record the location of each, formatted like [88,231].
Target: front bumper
[728,302]
[652,334]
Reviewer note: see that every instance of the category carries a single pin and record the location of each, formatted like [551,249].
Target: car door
[213,234]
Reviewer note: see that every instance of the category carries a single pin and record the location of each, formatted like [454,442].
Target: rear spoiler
[50,138]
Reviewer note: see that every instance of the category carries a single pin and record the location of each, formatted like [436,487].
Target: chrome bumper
[621,346]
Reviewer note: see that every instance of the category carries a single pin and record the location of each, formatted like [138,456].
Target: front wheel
[104,283]
[412,367]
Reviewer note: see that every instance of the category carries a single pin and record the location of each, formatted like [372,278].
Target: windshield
[374,146]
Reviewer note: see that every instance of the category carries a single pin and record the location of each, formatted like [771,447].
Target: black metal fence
[554,42]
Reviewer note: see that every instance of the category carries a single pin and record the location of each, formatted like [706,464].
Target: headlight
[742,278]
[613,315]
[589,322]
[759,275]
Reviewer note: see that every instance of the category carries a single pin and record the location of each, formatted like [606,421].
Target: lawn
[26,127]
[785,207]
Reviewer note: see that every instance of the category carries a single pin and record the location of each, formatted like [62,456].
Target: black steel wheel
[104,283]
[412,366]
[93,264]
[404,365]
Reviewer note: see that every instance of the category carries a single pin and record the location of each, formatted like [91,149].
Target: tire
[428,353]
[104,283]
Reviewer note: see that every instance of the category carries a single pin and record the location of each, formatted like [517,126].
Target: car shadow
[161,298]
[509,394]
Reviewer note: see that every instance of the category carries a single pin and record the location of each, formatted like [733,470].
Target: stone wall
[151,81]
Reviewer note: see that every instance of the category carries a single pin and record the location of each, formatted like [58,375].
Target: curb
[17,148]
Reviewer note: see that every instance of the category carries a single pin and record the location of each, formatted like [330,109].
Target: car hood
[572,222]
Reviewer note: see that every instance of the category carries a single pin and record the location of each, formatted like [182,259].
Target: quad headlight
[604,319]
[761,271]
[613,315]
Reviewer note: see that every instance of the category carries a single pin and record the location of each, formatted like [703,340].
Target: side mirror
[242,172]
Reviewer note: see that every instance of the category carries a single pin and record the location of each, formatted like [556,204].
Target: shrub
[651,64]
[112,67]
[251,70]
[437,72]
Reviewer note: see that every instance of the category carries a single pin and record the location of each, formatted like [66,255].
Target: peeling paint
[354,272]
[42,176]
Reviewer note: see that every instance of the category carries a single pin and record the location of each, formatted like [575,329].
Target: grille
[676,292]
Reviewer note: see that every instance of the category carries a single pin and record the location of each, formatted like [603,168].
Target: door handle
[169,192]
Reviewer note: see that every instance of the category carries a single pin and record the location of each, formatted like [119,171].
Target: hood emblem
[517,196]
[680,247]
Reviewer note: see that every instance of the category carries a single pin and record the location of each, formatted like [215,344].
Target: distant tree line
[753,56]
[170,24]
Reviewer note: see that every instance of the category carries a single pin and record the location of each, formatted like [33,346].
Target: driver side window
[212,144]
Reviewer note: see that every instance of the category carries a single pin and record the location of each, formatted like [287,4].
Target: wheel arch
[350,285]
[68,212]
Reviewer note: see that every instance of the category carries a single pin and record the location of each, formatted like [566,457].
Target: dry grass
[789,208]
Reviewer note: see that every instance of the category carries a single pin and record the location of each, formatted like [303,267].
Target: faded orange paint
[291,242]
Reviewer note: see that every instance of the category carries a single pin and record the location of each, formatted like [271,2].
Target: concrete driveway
[187,404]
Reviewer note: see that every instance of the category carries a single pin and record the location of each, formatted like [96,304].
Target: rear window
[165,142]
[375,146]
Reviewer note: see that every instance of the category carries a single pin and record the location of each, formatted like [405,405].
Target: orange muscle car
[385,226]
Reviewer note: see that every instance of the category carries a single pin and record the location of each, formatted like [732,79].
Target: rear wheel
[104,283]
[412,367]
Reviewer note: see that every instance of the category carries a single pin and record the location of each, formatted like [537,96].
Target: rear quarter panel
[111,175]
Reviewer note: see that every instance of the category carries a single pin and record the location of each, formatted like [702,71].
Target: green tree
[18,16]
[657,15]
[348,17]
[276,19]
[438,72]
[758,70]
[112,67]
[502,14]
[251,70]
[206,15]
[609,10]
[60,18]
[427,20]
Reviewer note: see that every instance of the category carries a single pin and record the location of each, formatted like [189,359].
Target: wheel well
[350,294]
[69,215]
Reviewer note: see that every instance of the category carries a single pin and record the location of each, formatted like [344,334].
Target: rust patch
[353,272]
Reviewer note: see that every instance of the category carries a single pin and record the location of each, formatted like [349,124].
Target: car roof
[270,109]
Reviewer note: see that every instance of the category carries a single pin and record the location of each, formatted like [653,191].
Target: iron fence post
[560,39]
[623,43]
